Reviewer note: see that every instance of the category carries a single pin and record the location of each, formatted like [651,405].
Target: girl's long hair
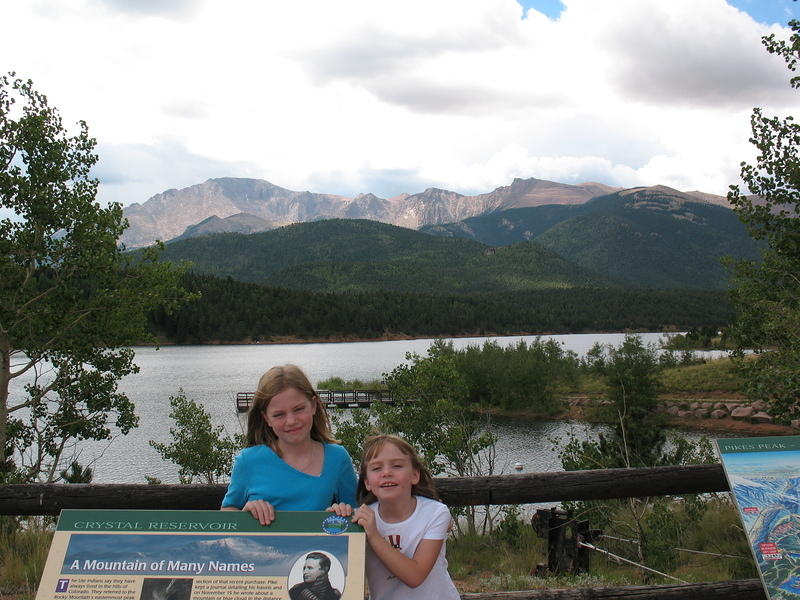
[273,382]
[372,446]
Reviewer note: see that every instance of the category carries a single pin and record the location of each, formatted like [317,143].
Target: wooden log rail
[745,589]
[600,484]
[525,488]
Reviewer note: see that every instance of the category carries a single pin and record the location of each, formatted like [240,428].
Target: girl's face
[290,414]
[389,474]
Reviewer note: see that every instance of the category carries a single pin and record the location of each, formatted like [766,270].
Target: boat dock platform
[331,398]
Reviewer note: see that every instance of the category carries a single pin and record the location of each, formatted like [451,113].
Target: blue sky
[764,11]
[360,96]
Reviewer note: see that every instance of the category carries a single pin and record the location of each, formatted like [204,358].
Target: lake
[212,375]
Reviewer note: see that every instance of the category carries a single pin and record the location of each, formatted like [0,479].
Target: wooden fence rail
[745,589]
[49,499]
[525,488]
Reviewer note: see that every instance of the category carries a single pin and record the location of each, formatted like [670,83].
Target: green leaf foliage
[202,451]
[767,293]
[70,299]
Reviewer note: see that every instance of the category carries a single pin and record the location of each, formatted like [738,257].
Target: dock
[331,398]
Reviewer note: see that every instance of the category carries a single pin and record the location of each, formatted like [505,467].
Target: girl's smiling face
[290,414]
[389,473]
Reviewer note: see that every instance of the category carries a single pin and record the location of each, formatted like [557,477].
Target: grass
[713,376]
[506,559]
[23,553]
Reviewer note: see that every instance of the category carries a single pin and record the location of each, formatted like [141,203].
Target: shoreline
[709,426]
[386,337]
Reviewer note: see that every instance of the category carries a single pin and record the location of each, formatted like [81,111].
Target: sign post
[203,555]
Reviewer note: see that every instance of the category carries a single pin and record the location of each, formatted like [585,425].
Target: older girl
[291,461]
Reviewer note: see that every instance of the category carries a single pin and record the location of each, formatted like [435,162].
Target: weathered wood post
[564,534]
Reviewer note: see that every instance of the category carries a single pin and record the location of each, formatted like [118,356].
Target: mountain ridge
[169,214]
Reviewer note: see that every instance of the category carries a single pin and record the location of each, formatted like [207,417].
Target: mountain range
[246,205]
[530,235]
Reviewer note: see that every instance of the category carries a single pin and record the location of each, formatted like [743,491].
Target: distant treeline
[231,311]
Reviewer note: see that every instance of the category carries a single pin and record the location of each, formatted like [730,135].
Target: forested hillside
[653,237]
[233,311]
[359,255]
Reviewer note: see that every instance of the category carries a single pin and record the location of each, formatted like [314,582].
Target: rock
[761,417]
[731,406]
[673,410]
[742,413]
[694,406]
[795,423]
[683,414]
[720,406]
[701,413]
[719,414]
[759,405]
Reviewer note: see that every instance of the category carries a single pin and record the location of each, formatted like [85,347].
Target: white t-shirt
[429,521]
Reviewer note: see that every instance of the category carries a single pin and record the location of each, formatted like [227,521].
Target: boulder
[701,413]
[694,406]
[795,423]
[731,406]
[720,406]
[719,414]
[761,417]
[673,410]
[742,413]
[759,405]
[683,414]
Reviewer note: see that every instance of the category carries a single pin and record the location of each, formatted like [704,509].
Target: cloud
[185,109]
[688,53]
[135,172]
[372,96]
[167,8]
[384,183]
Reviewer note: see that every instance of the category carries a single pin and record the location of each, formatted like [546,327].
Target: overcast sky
[360,96]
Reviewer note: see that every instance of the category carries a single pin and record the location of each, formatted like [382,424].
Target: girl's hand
[341,509]
[261,510]
[365,517]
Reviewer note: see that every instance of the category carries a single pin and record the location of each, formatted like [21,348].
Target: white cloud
[369,95]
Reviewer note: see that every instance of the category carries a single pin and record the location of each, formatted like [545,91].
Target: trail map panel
[201,555]
[764,476]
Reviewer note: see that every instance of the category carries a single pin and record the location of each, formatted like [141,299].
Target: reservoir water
[212,375]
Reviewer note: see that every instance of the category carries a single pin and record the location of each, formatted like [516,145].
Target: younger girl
[406,526]
[291,461]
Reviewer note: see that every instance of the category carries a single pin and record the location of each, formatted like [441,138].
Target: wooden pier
[331,398]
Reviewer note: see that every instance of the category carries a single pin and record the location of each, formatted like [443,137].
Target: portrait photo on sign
[316,575]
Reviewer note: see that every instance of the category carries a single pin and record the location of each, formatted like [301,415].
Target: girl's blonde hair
[372,446]
[272,383]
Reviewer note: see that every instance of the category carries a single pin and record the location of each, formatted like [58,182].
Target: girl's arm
[411,571]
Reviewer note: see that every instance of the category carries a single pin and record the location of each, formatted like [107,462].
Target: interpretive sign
[764,476]
[203,555]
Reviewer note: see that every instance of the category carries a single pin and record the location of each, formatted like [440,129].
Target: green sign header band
[758,444]
[202,521]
